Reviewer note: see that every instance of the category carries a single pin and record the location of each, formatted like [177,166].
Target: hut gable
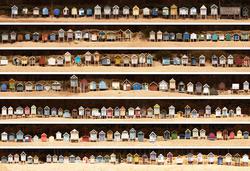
[214,10]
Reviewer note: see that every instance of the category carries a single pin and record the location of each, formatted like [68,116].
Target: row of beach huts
[95,35]
[135,60]
[151,158]
[173,12]
[76,85]
[118,112]
[131,135]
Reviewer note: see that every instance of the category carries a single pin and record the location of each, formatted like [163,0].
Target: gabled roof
[97,6]
[203,7]
[213,6]
[14,6]
[93,132]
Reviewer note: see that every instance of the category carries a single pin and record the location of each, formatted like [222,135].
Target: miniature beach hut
[45,12]
[115,11]
[183,12]
[129,158]
[228,159]
[231,135]
[220,160]
[165,12]
[97,11]
[23,157]
[184,60]
[74,12]
[25,11]
[152,157]
[160,159]
[222,61]
[132,134]
[4,60]
[203,134]
[107,11]
[195,133]
[218,112]
[190,88]
[14,11]
[102,136]
[203,12]
[238,111]
[181,87]
[171,112]
[109,135]
[236,159]
[193,37]
[81,12]
[54,112]
[4,137]
[125,136]
[225,134]
[214,11]
[173,11]
[117,136]
[74,136]
[13,36]
[159,36]
[179,160]
[16,158]
[172,84]
[230,60]
[187,134]
[48,158]
[193,12]
[89,12]
[140,136]
[44,137]
[136,11]
[206,89]
[245,160]
[170,158]
[93,136]
[198,88]
[137,112]
[5,37]
[163,86]
[112,158]
[155,12]
[246,61]
[36,12]
[10,158]
[66,12]
[59,136]
[152,36]
[239,134]
[210,158]
[19,136]
[125,11]
[55,158]
[190,158]
[153,86]
[61,35]
[36,37]
[146,12]
[207,111]
[70,35]
[219,135]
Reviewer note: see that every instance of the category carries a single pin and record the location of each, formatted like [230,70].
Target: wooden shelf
[202,144]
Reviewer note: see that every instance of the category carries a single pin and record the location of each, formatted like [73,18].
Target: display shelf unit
[122,46]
